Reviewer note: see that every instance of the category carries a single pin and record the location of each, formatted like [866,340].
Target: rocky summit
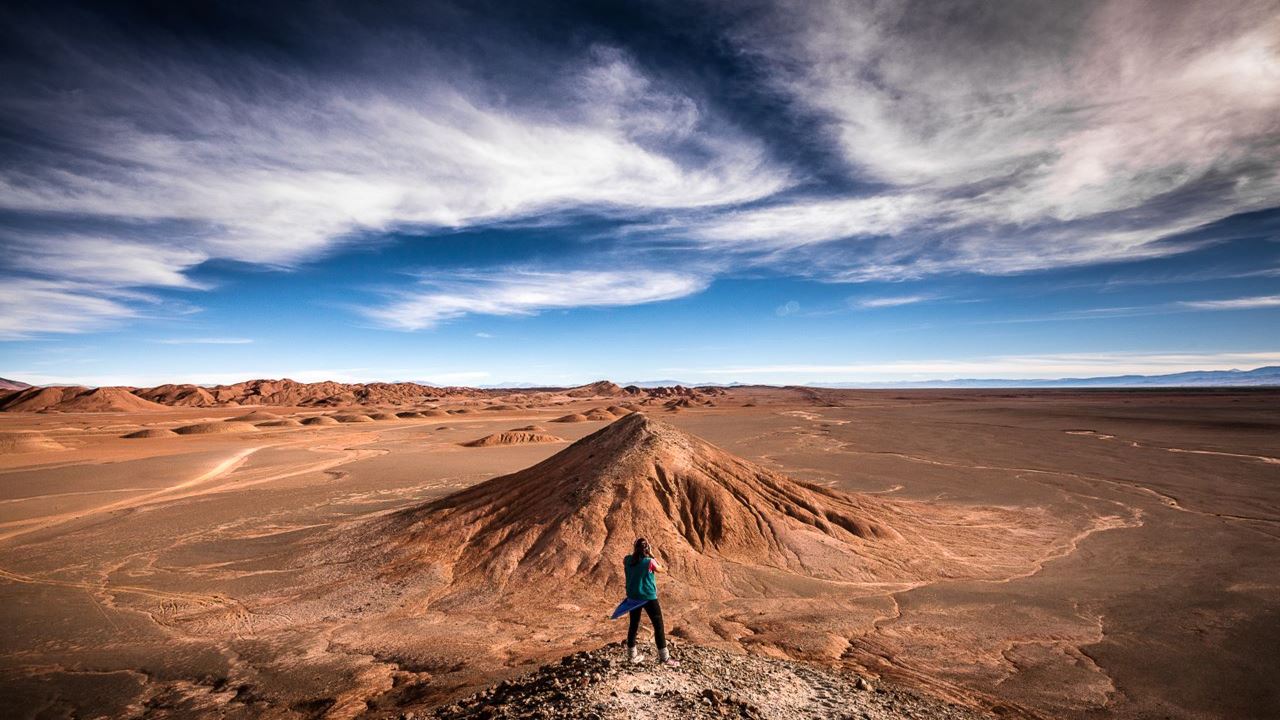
[601,684]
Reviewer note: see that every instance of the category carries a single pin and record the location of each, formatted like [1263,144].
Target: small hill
[74,398]
[409,414]
[384,416]
[352,418]
[25,441]
[7,385]
[531,428]
[178,395]
[603,388]
[513,437]
[571,418]
[320,420]
[40,399]
[709,684]
[284,422]
[215,428]
[255,416]
[150,433]
[600,414]
[714,515]
[109,399]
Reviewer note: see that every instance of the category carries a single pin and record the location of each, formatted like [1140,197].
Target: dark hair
[642,550]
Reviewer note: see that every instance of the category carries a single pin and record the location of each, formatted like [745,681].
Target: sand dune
[255,416]
[285,422]
[571,418]
[352,418]
[150,433]
[513,437]
[384,416]
[215,428]
[25,441]
[320,420]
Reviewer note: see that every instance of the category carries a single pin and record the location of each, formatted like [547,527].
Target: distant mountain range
[1269,375]
[7,385]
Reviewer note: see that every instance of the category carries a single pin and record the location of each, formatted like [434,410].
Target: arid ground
[1078,554]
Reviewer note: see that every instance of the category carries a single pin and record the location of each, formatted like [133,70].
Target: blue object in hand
[626,606]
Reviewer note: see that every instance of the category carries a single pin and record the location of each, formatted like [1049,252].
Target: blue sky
[708,192]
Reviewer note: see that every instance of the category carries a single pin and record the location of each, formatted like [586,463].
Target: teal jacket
[641,584]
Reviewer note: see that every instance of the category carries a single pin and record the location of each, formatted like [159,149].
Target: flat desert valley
[1073,554]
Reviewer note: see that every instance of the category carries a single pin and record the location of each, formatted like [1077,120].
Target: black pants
[655,616]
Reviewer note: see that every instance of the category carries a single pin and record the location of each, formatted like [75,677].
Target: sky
[556,192]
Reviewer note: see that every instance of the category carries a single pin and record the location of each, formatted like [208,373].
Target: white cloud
[790,307]
[1020,139]
[1002,367]
[1244,303]
[205,341]
[891,301]
[274,172]
[802,223]
[30,307]
[484,335]
[456,378]
[519,292]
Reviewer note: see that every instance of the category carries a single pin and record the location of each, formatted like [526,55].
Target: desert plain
[1053,553]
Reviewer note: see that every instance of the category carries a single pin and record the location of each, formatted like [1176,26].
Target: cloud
[455,378]
[169,160]
[29,307]
[484,335]
[1015,367]
[791,307]
[1016,139]
[1244,303]
[844,142]
[521,292]
[205,341]
[891,301]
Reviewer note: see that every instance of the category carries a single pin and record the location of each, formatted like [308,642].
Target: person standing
[642,594]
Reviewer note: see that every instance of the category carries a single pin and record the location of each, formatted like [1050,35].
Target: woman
[642,587]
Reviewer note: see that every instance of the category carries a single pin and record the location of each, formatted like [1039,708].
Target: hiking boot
[664,657]
[634,656]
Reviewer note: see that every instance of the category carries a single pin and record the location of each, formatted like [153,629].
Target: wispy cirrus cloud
[907,142]
[871,303]
[1049,366]
[1243,303]
[256,166]
[205,341]
[30,307]
[1007,142]
[525,292]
